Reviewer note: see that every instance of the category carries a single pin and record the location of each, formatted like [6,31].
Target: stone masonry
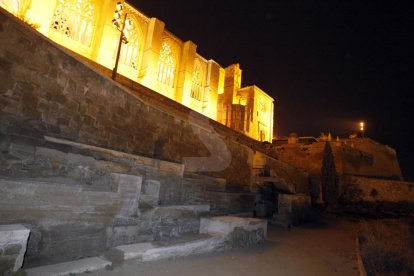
[87,164]
[13,243]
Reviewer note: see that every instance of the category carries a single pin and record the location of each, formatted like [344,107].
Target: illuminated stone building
[153,57]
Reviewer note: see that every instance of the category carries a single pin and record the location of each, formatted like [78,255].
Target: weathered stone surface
[293,209]
[69,268]
[12,249]
[174,221]
[354,189]
[187,245]
[13,243]
[69,129]
[127,234]
[377,197]
[225,225]
[241,238]
[129,187]
[363,157]
[150,193]
[67,222]
[7,264]
[197,246]
[134,251]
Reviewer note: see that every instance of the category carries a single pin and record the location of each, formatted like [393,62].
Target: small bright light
[361,124]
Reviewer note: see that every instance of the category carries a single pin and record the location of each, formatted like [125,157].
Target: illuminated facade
[154,58]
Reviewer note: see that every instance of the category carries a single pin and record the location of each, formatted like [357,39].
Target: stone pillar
[153,42]
[212,89]
[13,243]
[185,73]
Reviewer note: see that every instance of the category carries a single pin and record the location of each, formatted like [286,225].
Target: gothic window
[197,85]
[166,66]
[129,51]
[74,19]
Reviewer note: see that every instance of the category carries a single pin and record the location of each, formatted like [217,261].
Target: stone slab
[198,246]
[134,251]
[225,225]
[13,243]
[161,165]
[78,266]
[183,246]
[194,208]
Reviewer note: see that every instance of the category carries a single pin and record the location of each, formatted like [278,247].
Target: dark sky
[328,64]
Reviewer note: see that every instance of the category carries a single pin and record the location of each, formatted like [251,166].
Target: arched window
[166,66]
[197,85]
[74,18]
[129,51]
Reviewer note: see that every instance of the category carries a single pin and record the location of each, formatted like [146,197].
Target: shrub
[387,247]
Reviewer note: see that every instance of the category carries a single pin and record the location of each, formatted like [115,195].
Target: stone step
[78,266]
[225,225]
[179,247]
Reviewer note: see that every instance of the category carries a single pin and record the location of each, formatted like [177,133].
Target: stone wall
[377,197]
[49,92]
[87,164]
[45,91]
[372,189]
[362,157]
[80,200]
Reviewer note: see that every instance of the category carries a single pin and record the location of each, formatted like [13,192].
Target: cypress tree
[329,178]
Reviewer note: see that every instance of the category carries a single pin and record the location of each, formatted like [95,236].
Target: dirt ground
[324,248]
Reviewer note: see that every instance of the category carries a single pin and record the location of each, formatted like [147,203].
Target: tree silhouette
[329,178]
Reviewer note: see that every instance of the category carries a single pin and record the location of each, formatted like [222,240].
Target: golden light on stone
[117,36]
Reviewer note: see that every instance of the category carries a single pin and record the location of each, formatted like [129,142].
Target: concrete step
[78,266]
[178,247]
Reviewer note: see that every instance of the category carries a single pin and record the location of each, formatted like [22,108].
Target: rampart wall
[361,157]
[87,164]
[377,197]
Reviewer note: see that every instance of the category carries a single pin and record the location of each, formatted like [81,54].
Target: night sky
[328,64]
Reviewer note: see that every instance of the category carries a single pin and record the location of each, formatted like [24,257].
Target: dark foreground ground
[324,248]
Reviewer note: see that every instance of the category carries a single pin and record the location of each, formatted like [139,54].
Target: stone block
[13,243]
[198,246]
[189,245]
[134,251]
[175,221]
[150,193]
[129,187]
[293,207]
[127,234]
[225,225]
[70,268]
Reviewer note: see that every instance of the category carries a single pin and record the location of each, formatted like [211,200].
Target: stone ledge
[79,266]
[225,225]
[146,161]
[184,246]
